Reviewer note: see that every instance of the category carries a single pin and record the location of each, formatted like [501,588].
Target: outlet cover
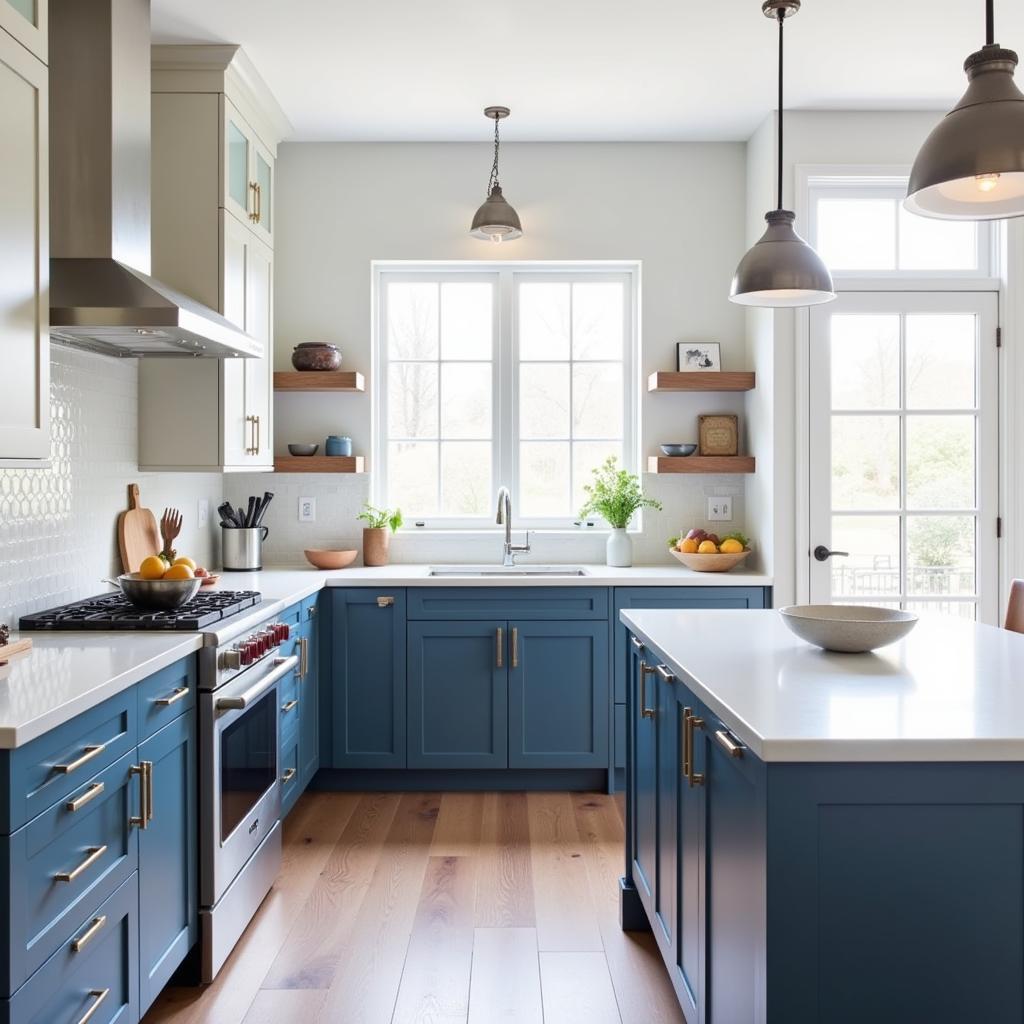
[719,510]
[307,510]
[203,512]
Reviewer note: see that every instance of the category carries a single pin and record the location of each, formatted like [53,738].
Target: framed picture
[718,435]
[698,356]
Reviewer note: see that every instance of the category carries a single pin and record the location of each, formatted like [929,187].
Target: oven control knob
[283,632]
[232,658]
[248,652]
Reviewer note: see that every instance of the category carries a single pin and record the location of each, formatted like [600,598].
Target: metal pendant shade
[781,269]
[971,166]
[496,219]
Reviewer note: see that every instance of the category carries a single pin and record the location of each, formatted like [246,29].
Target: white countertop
[950,691]
[66,674]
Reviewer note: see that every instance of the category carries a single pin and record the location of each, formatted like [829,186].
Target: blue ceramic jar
[337,445]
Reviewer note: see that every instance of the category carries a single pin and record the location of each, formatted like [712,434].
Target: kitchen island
[819,837]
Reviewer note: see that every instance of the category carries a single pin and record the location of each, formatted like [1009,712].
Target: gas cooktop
[114,612]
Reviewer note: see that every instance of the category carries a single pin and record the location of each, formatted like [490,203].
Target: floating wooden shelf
[701,464]
[319,380]
[714,380]
[319,464]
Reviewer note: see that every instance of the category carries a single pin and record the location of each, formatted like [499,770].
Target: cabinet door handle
[179,694]
[499,647]
[94,854]
[636,643]
[97,995]
[250,422]
[142,818]
[385,602]
[147,767]
[83,940]
[86,798]
[645,671]
[515,647]
[303,657]
[732,746]
[289,774]
[94,750]
[289,705]
[691,722]
[252,191]
[663,671]
[256,443]
[259,203]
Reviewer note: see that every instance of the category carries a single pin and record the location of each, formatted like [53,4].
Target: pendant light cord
[492,182]
[990,23]
[781,15]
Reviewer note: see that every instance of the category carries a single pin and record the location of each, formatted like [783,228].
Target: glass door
[903,452]
[26,21]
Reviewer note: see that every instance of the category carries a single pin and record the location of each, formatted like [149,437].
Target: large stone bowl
[848,628]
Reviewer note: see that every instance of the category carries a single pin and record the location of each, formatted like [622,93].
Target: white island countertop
[950,691]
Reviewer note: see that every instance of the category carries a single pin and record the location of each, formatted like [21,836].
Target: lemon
[152,568]
[185,560]
[179,572]
[731,547]
[708,547]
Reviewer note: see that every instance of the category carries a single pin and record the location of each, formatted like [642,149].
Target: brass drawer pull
[179,694]
[289,774]
[86,798]
[663,671]
[515,647]
[95,852]
[733,748]
[385,602]
[499,647]
[645,671]
[289,705]
[252,209]
[98,995]
[94,750]
[636,643]
[691,722]
[83,940]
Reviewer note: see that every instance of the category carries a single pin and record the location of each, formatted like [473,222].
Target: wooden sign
[718,435]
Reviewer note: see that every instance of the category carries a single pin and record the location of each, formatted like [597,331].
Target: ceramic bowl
[849,628]
[710,563]
[316,355]
[678,450]
[302,449]
[330,559]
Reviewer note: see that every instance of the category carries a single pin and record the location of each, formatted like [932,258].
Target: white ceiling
[585,69]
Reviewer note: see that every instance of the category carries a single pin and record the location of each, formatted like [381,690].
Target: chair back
[1015,607]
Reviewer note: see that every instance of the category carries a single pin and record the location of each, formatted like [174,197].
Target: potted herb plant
[380,524]
[615,495]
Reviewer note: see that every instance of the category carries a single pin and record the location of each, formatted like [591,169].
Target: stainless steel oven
[240,791]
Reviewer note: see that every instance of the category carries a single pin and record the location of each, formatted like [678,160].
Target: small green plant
[615,495]
[378,518]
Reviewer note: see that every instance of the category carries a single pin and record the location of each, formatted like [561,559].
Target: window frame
[507,275]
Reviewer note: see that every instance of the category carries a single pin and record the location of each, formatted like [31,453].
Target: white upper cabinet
[24,249]
[25,20]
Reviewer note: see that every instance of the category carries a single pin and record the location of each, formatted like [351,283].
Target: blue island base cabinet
[819,893]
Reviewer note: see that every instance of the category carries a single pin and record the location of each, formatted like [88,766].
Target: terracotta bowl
[710,563]
[330,559]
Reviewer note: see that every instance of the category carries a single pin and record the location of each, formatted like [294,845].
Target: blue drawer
[508,603]
[289,775]
[43,909]
[103,967]
[52,766]
[165,695]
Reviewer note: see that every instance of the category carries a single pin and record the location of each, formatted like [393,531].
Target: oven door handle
[282,666]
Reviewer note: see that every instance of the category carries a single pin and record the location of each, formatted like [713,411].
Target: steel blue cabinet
[309,692]
[458,694]
[168,872]
[558,694]
[367,698]
[642,795]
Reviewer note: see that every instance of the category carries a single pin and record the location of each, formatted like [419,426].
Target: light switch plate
[719,510]
[307,510]
[203,512]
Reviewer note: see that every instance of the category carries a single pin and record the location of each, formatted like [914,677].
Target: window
[859,227]
[513,374]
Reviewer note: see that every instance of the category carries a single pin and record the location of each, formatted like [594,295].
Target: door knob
[822,553]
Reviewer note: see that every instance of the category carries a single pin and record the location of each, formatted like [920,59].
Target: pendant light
[971,167]
[496,219]
[781,269]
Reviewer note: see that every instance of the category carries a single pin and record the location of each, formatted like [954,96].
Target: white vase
[619,550]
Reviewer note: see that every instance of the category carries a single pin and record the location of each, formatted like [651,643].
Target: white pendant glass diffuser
[496,219]
[781,269]
[971,166]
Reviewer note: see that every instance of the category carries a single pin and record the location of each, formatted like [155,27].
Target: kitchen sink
[477,571]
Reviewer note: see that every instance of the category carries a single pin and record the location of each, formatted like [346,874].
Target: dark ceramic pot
[316,355]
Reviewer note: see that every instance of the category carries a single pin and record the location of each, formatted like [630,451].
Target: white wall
[678,208]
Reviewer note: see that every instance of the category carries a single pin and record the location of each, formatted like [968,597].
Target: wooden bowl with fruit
[706,552]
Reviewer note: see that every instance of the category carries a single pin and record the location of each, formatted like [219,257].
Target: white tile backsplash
[58,524]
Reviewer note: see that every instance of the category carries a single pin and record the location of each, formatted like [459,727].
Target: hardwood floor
[455,908]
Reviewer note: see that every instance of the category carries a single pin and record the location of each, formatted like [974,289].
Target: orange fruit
[708,547]
[179,572]
[731,546]
[688,546]
[185,560]
[152,568]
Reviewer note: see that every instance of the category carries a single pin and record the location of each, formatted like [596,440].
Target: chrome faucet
[504,518]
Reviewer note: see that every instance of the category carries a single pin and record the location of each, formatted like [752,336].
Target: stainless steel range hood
[101,294]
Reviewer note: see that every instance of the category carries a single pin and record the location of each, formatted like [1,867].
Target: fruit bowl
[712,562]
[330,559]
[848,628]
[156,595]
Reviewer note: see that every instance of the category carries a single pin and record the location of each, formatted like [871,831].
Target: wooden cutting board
[137,533]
